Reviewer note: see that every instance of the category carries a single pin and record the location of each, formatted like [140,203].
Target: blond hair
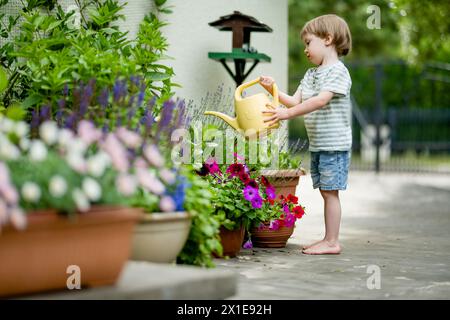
[333,25]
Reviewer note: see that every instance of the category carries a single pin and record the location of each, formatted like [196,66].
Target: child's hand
[267,82]
[277,114]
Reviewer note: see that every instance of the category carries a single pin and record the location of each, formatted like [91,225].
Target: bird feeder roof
[225,23]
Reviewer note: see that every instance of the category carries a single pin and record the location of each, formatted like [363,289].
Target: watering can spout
[231,121]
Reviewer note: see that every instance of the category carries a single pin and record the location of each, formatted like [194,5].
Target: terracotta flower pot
[160,237]
[231,241]
[266,238]
[37,259]
[284,181]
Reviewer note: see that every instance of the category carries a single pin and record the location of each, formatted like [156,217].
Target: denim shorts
[329,169]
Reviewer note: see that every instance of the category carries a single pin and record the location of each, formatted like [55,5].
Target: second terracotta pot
[231,241]
[266,238]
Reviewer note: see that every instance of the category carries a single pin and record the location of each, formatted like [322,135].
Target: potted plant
[62,203]
[287,177]
[277,223]
[238,201]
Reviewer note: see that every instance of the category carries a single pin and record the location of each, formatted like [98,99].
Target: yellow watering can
[249,116]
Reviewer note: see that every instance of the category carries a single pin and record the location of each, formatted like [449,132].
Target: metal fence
[406,130]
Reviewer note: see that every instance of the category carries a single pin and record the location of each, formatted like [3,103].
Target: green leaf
[15,112]
[3,80]
[160,2]
[158,76]
[31,101]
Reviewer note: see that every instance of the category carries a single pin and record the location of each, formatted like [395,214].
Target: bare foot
[312,244]
[324,247]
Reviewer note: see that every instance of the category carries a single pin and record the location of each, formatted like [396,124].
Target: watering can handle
[240,89]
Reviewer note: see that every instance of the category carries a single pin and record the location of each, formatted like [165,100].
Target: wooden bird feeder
[241,26]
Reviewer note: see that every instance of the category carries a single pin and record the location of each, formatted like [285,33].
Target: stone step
[144,280]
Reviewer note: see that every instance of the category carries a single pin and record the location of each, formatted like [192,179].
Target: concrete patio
[397,222]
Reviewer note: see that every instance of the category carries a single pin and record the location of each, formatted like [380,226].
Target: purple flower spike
[248,244]
[250,193]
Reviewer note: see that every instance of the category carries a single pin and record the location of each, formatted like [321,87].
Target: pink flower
[289,221]
[87,132]
[274,225]
[257,202]
[129,138]
[150,182]
[153,156]
[126,184]
[117,152]
[3,212]
[250,193]
[4,174]
[235,169]
[9,193]
[212,166]
[166,204]
[18,218]
[270,191]
[167,176]
[140,163]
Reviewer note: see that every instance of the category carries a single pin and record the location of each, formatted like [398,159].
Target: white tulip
[92,189]
[57,186]
[38,151]
[31,191]
[48,132]
[81,200]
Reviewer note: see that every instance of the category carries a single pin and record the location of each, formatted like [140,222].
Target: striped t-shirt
[329,128]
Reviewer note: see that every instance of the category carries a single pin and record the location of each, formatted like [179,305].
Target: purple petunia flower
[270,191]
[274,225]
[289,221]
[257,202]
[286,209]
[248,244]
[250,193]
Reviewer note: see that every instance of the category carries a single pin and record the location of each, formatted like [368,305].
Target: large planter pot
[97,242]
[160,237]
[266,238]
[231,241]
[284,181]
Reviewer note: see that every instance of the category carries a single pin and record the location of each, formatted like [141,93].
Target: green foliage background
[412,34]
